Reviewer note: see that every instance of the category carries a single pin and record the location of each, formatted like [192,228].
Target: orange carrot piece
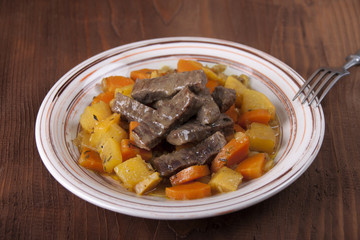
[212,84]
[91,160]
[238,128]
[252,167]
[141,74]
[188,65]
[189,174]
[257,115]
[187,191]
[233,113]
[129,150]
[106,97]
[132,125]
[232,153]
[109,84]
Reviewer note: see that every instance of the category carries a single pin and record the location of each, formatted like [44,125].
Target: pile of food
[188,132]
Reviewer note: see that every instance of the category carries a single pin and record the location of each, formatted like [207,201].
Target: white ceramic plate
[302,127]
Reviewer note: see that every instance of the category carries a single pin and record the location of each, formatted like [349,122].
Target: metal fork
[326,76]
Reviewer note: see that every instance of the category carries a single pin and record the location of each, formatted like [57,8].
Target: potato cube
[133,171]
[256,100]
[154,74]
[94,114]
[106,129]
[82,140]
[211,75]
[126,90]
[99,132]
[225,180]
[149,183]
[116,132]
[262,137]
[110,154]
[233,83]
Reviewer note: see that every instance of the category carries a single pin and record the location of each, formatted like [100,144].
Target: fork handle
[352,60]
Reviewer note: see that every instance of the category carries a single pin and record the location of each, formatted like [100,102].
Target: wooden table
[41,40]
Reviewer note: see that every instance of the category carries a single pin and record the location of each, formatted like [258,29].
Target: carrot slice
[188,65]
[257,115]
[91,160]
[109,84]
[141,74]
[189,174]
[129,150]
[252,167]
[132,125]
[106,97]
[233,113]
[232,153]
[212,84]
[193,190]
[238,128]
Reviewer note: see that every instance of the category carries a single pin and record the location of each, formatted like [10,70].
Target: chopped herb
[95,117]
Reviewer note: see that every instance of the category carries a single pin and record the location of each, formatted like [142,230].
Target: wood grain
[41,40]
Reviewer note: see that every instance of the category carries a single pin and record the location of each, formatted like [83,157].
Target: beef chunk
[160,103]
[131,109]
[177,110]
[200,154]
[224,97]
[209,112]
[150,90]
[194,131]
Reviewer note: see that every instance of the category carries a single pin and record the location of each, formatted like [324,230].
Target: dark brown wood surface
[41,40]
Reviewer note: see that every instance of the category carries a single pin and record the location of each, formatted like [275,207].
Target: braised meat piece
[224,97]
[209,112]
[151,90]
[131,109]
[177,110]
[194,131]
[200,154]
[160,103]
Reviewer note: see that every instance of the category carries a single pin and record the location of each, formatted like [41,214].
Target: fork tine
[331,84]
[307,82]
[318,79]
[323,83]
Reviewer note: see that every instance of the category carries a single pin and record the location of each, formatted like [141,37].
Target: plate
[57,123]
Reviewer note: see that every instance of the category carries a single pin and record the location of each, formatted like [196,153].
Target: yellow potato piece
[225,180]
[110,154]
[148,183]
[133,171]
[126,90]
[108,128]
[256,100]
[99,131]
[82,140]
[233,83]
[212,76]
[93,115]
[262,137]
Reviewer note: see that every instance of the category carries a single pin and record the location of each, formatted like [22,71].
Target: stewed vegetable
[186,133]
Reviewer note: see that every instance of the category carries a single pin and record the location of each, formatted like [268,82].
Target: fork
[329,76]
